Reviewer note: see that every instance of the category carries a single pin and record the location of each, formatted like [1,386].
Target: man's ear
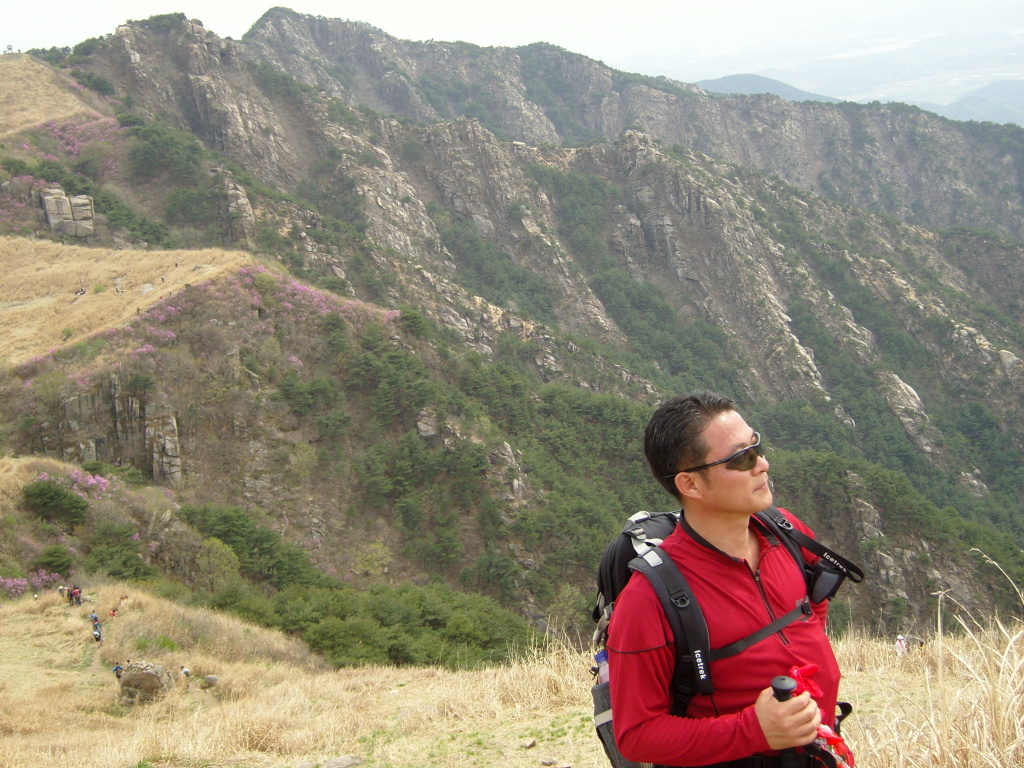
[688,486]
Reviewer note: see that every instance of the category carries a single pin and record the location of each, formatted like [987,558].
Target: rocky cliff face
[115,427]
[793,229]
[891,158]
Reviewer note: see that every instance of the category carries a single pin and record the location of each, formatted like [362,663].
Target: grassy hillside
[38,279]
[952,704]
[33,93]
[275,704]
[334,415]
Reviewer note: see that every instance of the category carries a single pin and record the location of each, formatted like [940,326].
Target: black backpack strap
[773,515]
[689,630]
[823,578]
[799,613]
[778,527]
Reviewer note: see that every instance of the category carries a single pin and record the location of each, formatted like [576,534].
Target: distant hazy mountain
[733,84]
[938,69]
[1001,101]
[998,102]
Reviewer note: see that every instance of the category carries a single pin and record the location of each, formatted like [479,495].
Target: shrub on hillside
[127,473]
[56,559]
[94,82]
[262,555]
[194,205]
[114,549]
[87,47]
[129,119]
[163,22]
[165,151]
[51,501]
[17,586]
[402,624]
[52,55]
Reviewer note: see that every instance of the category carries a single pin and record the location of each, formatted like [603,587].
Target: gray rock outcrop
[241,221]
[141,681]
[68,215]
[112,425]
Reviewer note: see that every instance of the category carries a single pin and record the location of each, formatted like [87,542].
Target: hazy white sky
[684,39]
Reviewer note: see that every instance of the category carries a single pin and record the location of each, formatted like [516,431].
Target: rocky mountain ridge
[813,239]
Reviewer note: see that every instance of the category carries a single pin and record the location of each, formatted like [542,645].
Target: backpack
[637,548]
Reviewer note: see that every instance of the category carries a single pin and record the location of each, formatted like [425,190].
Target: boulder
[209,682]
[142,681]
[72,216]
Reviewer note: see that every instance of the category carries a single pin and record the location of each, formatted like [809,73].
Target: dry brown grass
[38,279]
[32,93]
[956,703]
[275,704]
[15,474]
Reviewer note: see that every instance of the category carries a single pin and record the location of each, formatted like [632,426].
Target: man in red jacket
[705,454]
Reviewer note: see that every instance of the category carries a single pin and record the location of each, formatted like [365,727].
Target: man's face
[726,490]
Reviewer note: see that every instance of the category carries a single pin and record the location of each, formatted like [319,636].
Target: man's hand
[786,724]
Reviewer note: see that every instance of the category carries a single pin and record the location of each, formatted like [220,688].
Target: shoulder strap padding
[689,630]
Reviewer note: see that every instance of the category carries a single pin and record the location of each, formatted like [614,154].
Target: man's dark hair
[674,438]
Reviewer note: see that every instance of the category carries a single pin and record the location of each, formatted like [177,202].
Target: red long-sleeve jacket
[736,603]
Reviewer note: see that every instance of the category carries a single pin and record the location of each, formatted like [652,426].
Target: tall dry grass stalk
[954,703]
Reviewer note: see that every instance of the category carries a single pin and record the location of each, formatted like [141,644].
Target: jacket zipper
[767,606]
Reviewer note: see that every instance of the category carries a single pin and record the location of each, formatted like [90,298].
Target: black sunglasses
[741,461]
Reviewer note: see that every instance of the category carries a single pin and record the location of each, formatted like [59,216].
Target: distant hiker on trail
[94,617]
[185,673]
[901,645]
[117,670]
[113,613]
[97,633]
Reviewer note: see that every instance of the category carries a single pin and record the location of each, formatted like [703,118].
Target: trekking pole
[782,688]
